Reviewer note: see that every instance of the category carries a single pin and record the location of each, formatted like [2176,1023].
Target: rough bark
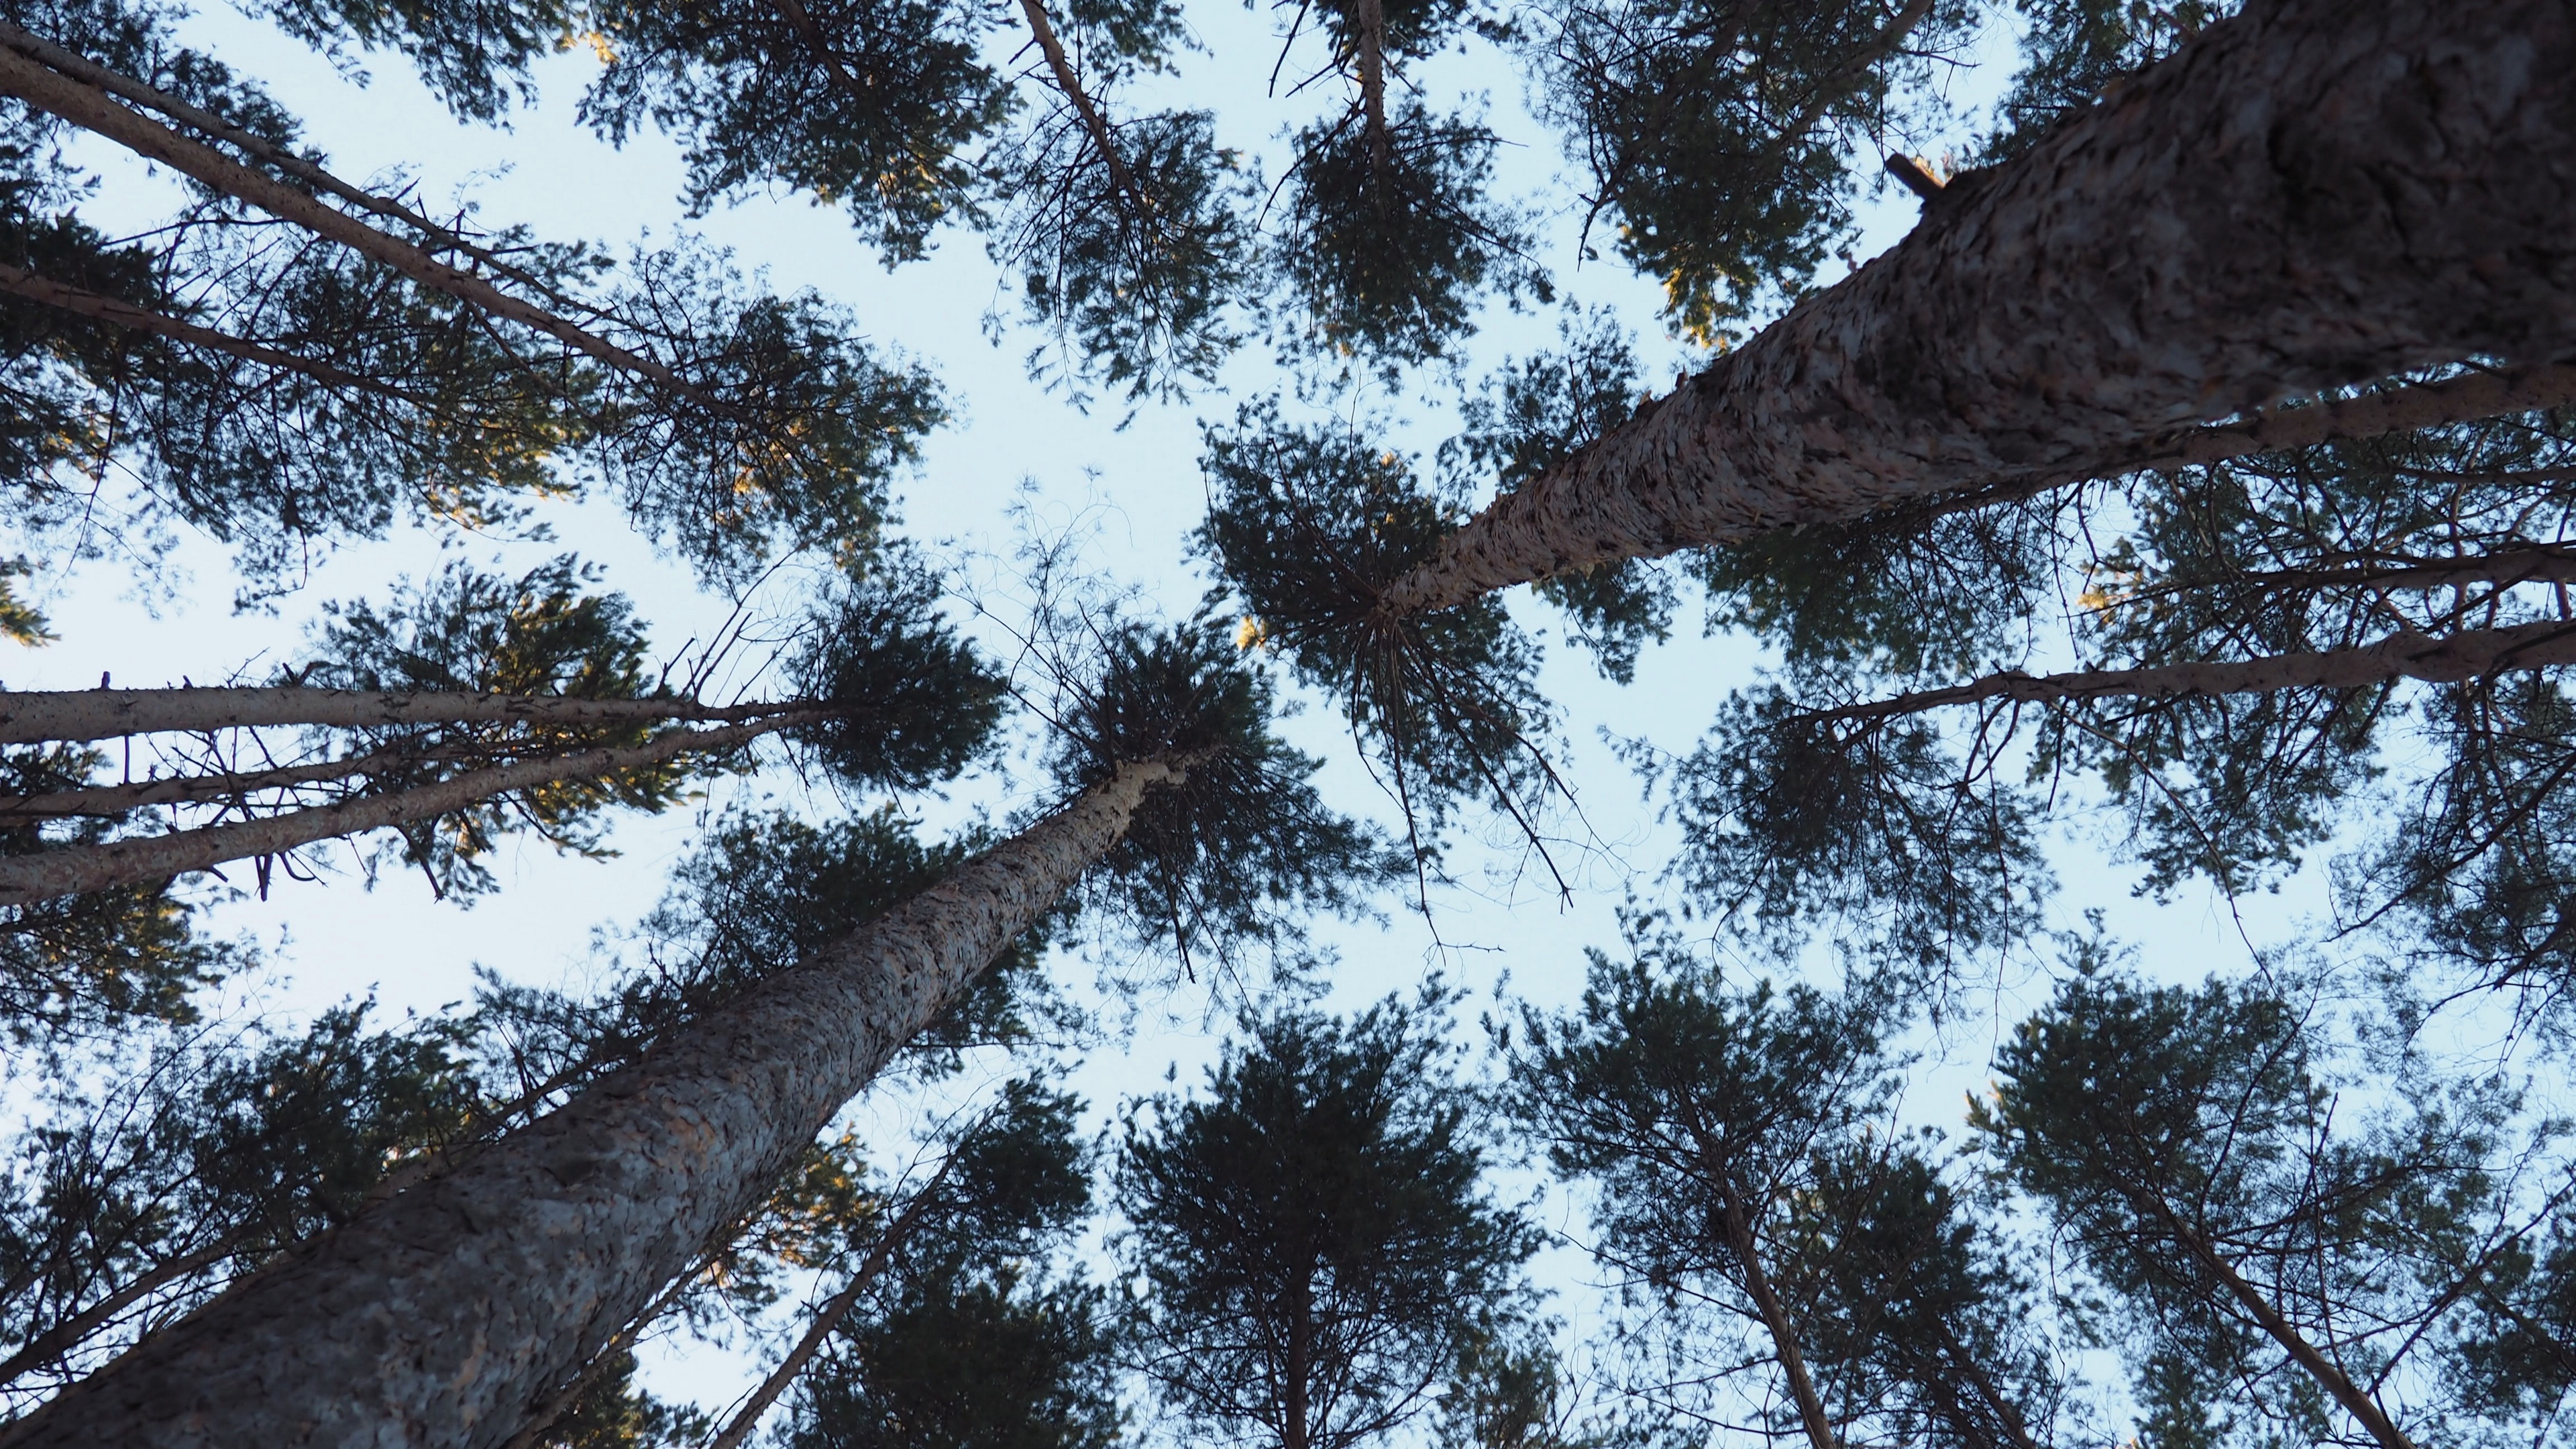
[30,716]
[445,1315]
[737,1430]
[2468,654]
[2316,194]
[80,869]
[88,107]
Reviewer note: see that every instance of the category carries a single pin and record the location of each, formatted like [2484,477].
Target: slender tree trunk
[99,307]
[737,1431]
[2538,564]
[1370,42]
[111,800]
[2468,654]
[30,716]
[2337,1384]
[81,68]
[2314,194]
[2371,415]
[1070,84]
[80,869]
[1775,1319]
[443,1316]
[90,108]
[69,1332]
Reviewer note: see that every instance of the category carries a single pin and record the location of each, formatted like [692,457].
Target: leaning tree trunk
[446,1314]
[2443,659]
[2315,194]
[72,870]
[32,716]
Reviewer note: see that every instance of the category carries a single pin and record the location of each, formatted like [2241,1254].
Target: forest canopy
[964,725]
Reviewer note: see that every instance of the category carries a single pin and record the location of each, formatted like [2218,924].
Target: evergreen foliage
[1312,1241]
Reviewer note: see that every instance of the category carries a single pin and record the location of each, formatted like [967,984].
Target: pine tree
[558,1235]
[1311,1240]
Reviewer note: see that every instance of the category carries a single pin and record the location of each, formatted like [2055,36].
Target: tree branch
[30,716]
[77,870]
[2468,654]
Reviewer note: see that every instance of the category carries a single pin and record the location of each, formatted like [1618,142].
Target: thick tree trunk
[445,1315]
[31,716]
[2315,194]
[80,869]
[87,106]
[2468,654]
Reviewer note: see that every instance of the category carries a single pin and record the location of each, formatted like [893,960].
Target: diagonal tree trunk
[80,869]
[82,68]
[2468,654]
[2315,194]
[93,109]
[737,1430]
[445,1315]
[21,282]
[96,714]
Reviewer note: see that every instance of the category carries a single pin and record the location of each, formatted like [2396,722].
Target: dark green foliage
[202,1157]
[1722,132]
[2517,1356]
[1893,599]
[913,702]
[971,1344]
[1537,413]
[2074,50]
[1914,1312]
[1234,853]
[1708,1116]
[91,961]
[1312,1241]
[21,623]
[1132,283]
[615,1414]
[875,109]
[1388,260]
[474,55]
[786,435]
[466,630]
[1306,526]
[977,1365]
[2187,1142]
[1924,859]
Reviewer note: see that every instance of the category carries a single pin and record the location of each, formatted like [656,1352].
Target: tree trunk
[80,869]
[88,107]
[2468,654]
[446,1314]
[31,716]
[82,68]
[2337,1384]
[2315,194]
[102,308]
[737,1431]
[1775,1319]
